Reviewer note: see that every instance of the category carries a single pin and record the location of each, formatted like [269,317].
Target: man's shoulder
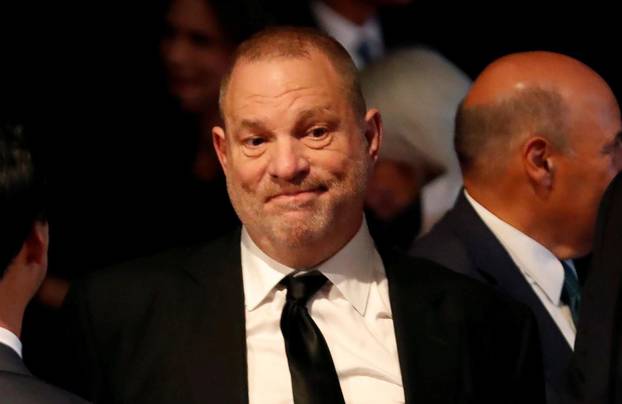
[161,276]
[25,389]
[462,242]
[421,275]
[170,263]
[445,245]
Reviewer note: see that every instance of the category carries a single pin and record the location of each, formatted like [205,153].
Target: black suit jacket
[595,375]
[170,329]
[461,241]
[18,386]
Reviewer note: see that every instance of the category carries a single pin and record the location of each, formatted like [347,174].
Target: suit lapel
[495,265]
[11,362]
[216,338]
[430,354]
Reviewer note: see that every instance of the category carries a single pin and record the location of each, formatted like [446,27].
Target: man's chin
[296,233]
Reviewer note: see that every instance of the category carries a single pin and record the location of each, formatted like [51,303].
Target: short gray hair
[484,132]
[297,42]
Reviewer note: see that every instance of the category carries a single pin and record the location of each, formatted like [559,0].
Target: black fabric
[462,242]
[595,375]
[398,232]
[313,374]
[171,329]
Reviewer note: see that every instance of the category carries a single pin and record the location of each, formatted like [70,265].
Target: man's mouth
[297,196]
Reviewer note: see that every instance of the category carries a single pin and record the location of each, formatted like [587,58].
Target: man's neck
[522,216]
[308,254]
[357,12]
[11,321]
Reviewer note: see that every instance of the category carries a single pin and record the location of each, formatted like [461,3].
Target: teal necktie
[571,292]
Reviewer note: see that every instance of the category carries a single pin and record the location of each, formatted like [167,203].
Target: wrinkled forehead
[281,80]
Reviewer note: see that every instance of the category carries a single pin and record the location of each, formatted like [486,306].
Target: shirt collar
[531,257]
[350,270]
[11,340]
[348,34]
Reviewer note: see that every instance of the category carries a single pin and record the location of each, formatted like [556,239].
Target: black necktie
[571,292]
[314,378]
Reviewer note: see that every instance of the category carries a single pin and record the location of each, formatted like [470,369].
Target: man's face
[195,53]
[296,157]
[593,159]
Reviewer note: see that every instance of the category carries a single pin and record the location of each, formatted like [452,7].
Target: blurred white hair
[418,91]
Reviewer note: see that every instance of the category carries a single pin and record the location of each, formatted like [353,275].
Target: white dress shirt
[542,270]
[348,34]
[352,310]
[9,339]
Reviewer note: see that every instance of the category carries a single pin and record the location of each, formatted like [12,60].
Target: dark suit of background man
[367,29]
[537,138]
[23,264]
[224,322]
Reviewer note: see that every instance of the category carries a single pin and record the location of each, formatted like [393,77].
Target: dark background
[85,79]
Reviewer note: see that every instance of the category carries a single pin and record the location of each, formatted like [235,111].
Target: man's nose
[288,160]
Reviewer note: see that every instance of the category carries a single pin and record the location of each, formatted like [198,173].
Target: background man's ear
[538,162]
[373,132]
[220,145]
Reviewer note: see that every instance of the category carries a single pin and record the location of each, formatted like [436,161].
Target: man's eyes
[318,133]
[254,141]
[253,146]
[314,137]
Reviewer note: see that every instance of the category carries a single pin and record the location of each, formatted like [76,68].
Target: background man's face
[593,159]
[297,161]
[196,53]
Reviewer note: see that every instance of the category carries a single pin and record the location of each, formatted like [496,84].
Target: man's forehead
[277,74]
[284,81]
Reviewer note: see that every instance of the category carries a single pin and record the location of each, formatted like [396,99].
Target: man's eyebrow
[316,112]
[253,125]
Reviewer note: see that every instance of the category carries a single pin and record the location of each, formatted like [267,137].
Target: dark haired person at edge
[23,264]
[595,375]
[297,306]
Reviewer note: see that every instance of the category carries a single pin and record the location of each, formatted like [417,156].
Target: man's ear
[538,163]
[27,270]
[32,259]
[373,132]
[220,145]
[36,245]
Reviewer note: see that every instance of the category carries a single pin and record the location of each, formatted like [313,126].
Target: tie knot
[301,288]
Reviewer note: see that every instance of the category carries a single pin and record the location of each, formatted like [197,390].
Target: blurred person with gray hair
[417,177]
